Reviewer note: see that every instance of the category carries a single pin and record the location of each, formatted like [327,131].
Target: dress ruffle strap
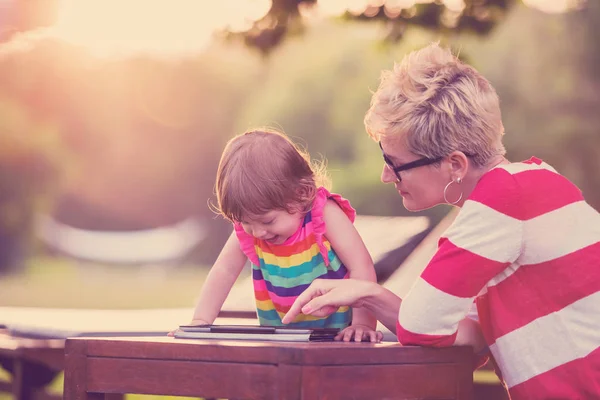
[246,243]
[318,221]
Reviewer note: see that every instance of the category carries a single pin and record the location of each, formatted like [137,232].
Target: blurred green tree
[30,171]
[133,136]
[316,89]
[165,122]
[287,17]
[549,93]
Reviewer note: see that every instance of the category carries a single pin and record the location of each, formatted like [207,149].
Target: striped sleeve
[484,239]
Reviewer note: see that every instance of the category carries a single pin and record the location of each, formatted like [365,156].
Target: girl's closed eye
[269,222]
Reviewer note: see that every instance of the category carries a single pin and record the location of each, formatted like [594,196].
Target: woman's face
[421,187]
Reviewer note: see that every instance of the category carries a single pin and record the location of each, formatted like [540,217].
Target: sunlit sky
[124,26]
[108,27]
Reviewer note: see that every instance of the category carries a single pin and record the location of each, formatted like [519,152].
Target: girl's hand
[192,322]
[360,333]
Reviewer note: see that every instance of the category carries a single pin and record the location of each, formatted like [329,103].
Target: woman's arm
[324,296]
[219,282]
[384,304]
[353,253]
[485,238]
[469,334]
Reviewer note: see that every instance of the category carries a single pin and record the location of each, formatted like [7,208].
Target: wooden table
[33,364]
[99,367]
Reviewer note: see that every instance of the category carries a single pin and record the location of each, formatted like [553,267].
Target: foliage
[549,94]
[287,17]
[137,133]
[316,89]
[135,140]
[30,169]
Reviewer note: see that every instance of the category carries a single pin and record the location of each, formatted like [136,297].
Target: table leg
[75,387]
[28,380]
[20,389]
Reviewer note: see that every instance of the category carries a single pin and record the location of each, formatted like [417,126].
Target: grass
[64,283]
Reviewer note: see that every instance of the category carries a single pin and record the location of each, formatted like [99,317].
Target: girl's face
[421,187]
[274,227]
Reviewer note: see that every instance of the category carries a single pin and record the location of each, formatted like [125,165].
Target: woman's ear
[459,164]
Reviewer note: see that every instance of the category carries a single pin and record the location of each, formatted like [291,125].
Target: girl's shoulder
[317,211]
[317,216]
[246,243]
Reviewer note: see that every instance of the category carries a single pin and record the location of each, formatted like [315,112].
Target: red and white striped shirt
[526,248]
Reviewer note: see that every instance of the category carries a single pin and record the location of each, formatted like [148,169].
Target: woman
[525,246]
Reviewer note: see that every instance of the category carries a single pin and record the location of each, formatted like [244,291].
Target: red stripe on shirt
[486,321]
[574,276]
[533,160]
[577,379]
[451,264]
[503,200]
[519,197]
[558,192]
[408,338]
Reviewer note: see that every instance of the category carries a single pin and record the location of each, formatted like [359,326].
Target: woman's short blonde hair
[437,104]
[263,170]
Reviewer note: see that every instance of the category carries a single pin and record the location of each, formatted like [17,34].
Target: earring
[458,181]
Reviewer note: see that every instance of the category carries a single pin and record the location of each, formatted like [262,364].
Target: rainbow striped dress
[281,272]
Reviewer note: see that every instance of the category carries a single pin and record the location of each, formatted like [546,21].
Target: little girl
[292,230]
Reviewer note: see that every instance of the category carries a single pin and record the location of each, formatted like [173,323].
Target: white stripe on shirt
[430,311]
[535,348]
[515,168]
[551,243]
[480,218]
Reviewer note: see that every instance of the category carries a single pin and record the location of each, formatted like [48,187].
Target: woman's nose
[387,176]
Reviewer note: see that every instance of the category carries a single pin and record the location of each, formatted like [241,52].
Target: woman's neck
[475,174]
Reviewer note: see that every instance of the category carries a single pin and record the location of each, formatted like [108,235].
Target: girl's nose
[258,232]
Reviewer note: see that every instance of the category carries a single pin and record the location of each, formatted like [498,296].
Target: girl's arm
[351,250]
[219,282]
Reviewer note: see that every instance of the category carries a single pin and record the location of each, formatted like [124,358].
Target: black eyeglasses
[421,162]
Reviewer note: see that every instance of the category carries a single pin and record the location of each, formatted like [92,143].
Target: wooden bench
[33,363]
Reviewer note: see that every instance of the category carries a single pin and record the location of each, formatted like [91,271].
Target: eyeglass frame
[421,162]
